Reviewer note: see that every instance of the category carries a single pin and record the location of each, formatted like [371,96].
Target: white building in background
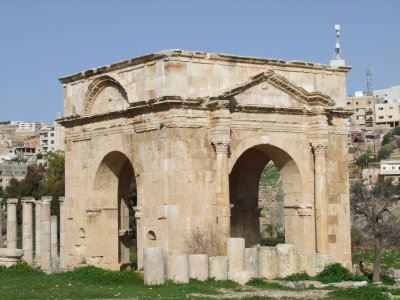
[52,138]
[390,168]
[392,93]
[388,109]
[28,126]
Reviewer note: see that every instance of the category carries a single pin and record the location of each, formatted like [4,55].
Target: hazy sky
[41,40]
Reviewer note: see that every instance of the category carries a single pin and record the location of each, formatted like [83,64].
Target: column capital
[27,200]
[61,200]
[319,147]
[12,200]
[46,199]
[221,144]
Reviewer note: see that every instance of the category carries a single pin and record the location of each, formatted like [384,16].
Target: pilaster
[320,198]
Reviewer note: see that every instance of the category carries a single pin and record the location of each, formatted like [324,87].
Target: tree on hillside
[384,152]
[53,183]
[364,159]
[373,205]
[41,182]
[27,187]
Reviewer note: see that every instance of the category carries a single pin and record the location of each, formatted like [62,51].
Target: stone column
[37,232]
[45,231]
[153,266]
[218,267]
[62,230]
[54,242]
[27,229]
[198,266]
[222,180]
[12,223]
[235,253]
[178,268]
[320,197]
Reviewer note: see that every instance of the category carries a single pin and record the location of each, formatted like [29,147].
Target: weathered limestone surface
[9,257]
[12,223]
[307,263]
[192,129]
[287,259]
[251,261]
[321,260]
[268,262]
[27,229]
[153,266]
[178,268]
[235,253]
[62,231]
[241,277]
[45,234]
[38,224]
[54,242]
[198,266]
[218,267]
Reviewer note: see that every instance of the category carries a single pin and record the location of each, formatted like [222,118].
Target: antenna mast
[337,46]
[337,61]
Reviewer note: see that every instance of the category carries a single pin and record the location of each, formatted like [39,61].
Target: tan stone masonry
[195,130]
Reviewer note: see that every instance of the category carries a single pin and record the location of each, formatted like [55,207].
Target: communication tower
[337,60]
[368,76]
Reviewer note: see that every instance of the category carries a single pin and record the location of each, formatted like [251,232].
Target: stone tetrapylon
[195,131]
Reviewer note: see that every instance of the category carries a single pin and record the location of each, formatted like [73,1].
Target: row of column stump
[240,264]
[39,241]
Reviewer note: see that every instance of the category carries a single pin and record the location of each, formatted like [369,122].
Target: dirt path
[252,292]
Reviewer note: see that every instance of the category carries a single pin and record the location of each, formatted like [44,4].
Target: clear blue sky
[41,40]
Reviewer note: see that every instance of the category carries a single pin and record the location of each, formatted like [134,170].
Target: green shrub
[335,273]
[133,257]
[297,277]
[387,280]
[20,267]
[272,241]
[97,275]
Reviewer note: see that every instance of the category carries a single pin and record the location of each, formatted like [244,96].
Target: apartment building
[387,112]
[364,107]
[24,126]
[11,169]
[52,138]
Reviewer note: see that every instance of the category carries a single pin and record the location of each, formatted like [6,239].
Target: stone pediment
[105,94]
[269,88]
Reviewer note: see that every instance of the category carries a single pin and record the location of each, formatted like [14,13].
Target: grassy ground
[390,258]
[24,282]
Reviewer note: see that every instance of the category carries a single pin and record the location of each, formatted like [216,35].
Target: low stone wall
[239,265]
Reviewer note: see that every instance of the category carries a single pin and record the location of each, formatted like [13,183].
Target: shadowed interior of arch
[115,193]
[266,222]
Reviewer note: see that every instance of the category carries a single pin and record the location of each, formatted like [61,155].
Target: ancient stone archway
[107,213]
[244,190]
[197,127]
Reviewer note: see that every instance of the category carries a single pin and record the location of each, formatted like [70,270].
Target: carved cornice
[199,55]
[136,108]
[221,145]
[339,112]
[319,147]
[169,102]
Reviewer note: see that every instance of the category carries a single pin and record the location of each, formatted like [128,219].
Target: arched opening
[261,168]
[113,227]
